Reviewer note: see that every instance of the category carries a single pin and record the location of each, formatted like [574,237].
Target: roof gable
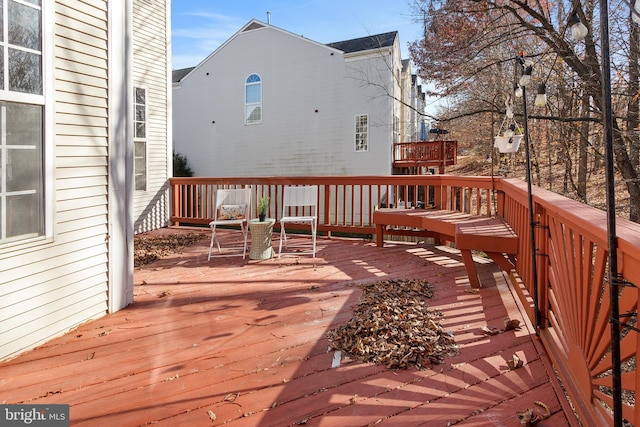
[253,25]
[361,44]
[177,75]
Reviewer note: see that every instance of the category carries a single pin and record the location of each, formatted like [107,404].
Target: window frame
[45,100]
[247,104]
[144,140]
[358,147]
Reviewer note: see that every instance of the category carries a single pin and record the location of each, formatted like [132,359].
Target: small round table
[261,247]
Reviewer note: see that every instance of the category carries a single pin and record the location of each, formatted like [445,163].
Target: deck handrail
[425,153]
[571,246]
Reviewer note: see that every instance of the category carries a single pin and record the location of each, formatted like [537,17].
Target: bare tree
[468,50]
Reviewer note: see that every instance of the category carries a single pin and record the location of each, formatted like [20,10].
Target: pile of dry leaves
[393,326]
[147,249]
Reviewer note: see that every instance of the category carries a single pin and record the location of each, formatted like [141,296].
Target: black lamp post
[525,79]
[579,32]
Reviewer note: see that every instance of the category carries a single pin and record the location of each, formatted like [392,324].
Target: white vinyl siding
[51,286]
[308,109]
[151,71]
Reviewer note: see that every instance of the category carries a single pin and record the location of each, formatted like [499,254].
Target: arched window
[253,100]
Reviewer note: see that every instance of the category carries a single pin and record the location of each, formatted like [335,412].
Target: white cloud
[195,35]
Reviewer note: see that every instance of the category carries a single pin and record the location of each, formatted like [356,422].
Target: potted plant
[263,205]
[509,141]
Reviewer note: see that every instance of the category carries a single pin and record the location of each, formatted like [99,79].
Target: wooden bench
[468,232]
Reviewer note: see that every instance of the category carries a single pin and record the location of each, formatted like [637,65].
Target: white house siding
[311,95]
[49,286]
[151,71]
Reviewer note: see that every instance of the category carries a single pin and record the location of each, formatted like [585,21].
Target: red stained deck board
[257,330]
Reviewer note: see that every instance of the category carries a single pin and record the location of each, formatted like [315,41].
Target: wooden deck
[244,342]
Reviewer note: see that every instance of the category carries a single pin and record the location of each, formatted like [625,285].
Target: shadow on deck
[243,343]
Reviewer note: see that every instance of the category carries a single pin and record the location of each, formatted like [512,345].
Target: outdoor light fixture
[527,69]
[541,97]
[578,30]
[517,90]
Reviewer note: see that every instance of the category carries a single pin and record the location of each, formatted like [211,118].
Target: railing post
[500,201]
[437,196]
[327,204]
[175,198]
[543,250]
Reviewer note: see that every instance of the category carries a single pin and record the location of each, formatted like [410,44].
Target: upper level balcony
[425,154]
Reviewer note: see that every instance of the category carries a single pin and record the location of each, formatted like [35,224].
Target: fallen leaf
[212,416]
[392,326]
[151,248]
[490,331]
[515,363]
[511,324]
[231,397]
[528,417]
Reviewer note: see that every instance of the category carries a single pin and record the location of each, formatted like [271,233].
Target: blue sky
[201,26]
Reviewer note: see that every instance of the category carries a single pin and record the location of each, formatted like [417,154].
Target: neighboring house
[418,103]
[269,102]
[153,156]
[76,145]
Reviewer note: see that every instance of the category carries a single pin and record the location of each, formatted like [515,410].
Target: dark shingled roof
[366,43]
[177,75]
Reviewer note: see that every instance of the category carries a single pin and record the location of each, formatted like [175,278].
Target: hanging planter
[507,140]
[507,144]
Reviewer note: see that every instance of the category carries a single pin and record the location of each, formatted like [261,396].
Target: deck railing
[425,154]
[571,251]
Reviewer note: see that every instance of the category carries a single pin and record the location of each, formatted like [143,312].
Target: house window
[253,100]
[362,132]
[22,160]
[396,129]
[140,139]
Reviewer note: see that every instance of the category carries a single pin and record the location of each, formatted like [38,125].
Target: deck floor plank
[246,340]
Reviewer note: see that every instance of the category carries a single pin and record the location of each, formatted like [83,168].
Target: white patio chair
[299,206]
[232,207]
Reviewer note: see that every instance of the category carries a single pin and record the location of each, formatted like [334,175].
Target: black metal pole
[607,121]
[532,221]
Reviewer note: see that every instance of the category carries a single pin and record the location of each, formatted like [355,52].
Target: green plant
[181,165]
[263,205]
